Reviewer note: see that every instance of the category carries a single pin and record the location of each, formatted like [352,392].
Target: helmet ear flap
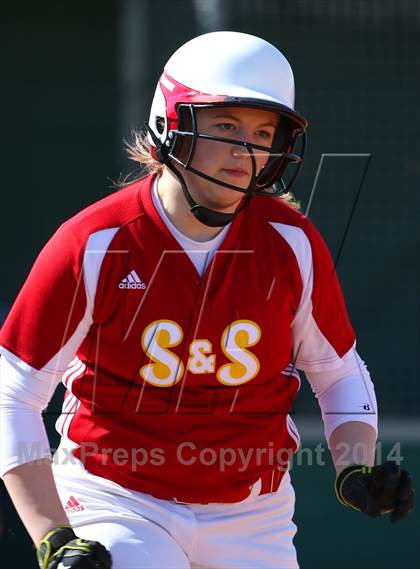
[157,120]
[160,125]
[183,145]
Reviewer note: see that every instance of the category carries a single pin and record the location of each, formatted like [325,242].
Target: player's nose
[238,152]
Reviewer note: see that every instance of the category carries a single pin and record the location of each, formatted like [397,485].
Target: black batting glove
[376,490]
[61,549]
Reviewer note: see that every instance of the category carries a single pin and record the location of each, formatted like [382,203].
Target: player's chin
[224,198]
[229,193]
[217,197]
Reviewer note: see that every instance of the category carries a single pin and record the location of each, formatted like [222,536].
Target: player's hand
[62,549]
[376,490]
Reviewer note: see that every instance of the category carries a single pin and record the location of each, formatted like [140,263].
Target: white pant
[143,532]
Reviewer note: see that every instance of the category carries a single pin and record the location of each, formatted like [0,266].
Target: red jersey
[179,385]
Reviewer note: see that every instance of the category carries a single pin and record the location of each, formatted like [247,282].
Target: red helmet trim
[176,93]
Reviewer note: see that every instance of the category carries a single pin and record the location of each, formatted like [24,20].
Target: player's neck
[178,210]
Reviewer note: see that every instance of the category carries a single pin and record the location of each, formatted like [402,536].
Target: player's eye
[226,126]
[264,134]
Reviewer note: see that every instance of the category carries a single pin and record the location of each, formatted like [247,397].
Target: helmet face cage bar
[280,155]
[279,185]
[225,184]
[194,135]
[206,216]
[210,178]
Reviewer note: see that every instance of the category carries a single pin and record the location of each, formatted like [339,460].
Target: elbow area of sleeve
[23,437]
[351,398]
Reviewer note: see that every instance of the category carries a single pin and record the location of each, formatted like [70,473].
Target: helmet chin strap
[209,217]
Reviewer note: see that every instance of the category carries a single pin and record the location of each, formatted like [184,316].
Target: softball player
[176,312]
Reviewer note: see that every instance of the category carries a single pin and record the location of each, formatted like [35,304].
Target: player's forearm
[33,492]
[352,443]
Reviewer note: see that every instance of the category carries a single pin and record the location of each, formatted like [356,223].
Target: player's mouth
[235,172]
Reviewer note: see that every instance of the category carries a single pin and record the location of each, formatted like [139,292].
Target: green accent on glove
[62,548]
[52,542]
[343,476]
[377,490]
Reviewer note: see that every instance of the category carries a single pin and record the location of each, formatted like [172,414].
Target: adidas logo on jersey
[73,505]
[131,281]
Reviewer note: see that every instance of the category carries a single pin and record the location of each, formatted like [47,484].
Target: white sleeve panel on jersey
[96,247]
[345,394]
[26,391]
[312,352]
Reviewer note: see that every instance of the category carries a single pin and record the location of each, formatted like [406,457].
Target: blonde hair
[139,150]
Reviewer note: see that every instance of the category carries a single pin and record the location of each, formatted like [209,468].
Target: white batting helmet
[227,69]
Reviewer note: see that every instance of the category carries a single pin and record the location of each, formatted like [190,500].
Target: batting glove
[376,490]
[62,549]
